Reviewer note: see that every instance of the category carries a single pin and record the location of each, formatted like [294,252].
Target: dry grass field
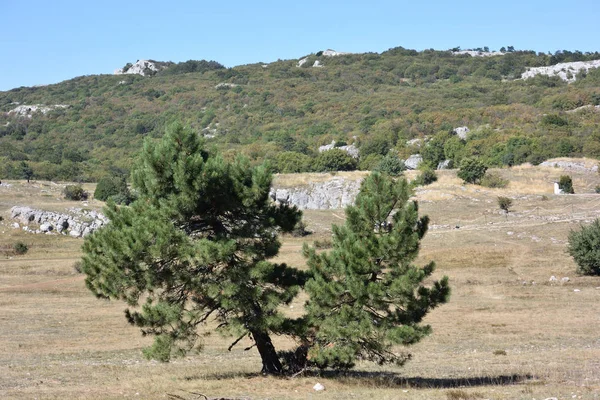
[507,332]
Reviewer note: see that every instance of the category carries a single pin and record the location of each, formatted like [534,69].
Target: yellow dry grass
[507,332]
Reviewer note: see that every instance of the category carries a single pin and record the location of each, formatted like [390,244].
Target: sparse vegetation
[75,192]
[426,177]
[20,248]
[493,180]
[505,203]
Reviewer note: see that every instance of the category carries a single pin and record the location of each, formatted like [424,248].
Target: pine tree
[366,295]
[194,247]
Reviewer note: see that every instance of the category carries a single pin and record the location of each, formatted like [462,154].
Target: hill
[91,126]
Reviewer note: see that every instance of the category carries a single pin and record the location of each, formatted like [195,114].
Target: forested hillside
[283,112]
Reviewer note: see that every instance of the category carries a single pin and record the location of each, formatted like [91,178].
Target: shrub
[114,187]
[75,192]
[584,247]
[504,203]
[370,162]
[300,229]
[565,184]
[471,170]
[334,160]
[596,189]
[391,165]
[493,180]
[426,177]
[20,248]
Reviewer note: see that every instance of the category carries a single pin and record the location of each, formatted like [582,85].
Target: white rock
[317,64]
[413,161]
[565,279]
[553,279]
[46,227]
[302,62]
[29,110]
[16,225]
[462,132]
[142,67]
[475,53]
[333,53]
[576,290]
[566,71]
[318,387]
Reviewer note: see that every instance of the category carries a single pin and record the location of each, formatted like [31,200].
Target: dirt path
[45,284]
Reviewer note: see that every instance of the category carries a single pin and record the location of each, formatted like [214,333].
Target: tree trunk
[270,360]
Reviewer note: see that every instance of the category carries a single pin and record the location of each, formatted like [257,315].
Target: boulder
[46,227]
[413,161]
[446,164]
[462,132]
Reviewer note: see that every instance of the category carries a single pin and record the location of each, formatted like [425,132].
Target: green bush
[334,160]
[493,180]
[565,184]
[391,165]
[471,170]
[426,177]
[505,203]
[597,189]
[584,247]
[20,248]
[110,186]
[75,192]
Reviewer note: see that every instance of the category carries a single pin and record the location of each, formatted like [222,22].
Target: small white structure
[557,189]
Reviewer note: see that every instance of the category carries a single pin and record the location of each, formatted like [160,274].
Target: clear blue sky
[43,42]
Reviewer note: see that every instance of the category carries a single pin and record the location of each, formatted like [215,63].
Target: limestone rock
[350,149]
[77,223]
[336,193]
[143,67]
[29,110]
[565,71]
[413,161]
[318,387]
[446,164]
[462,132]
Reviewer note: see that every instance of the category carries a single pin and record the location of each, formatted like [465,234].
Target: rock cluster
[413,161]
[78,224]
[569,165]
[350,149]
[142,67]
[29,110]
[566,71]
[336,193]
[462,132]
[476,53]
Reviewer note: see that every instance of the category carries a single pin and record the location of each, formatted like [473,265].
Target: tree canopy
[194,246]
[366,295]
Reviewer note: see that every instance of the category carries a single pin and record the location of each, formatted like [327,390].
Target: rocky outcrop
[142,67]
[565,71]
[475,53]
[78,223]
[350,149]
[333,53]
[446,164]
[570,166]
[29,110]
[413,161]
[462,132]
[333,194]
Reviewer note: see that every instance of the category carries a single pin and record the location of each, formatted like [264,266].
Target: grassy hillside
[284,112]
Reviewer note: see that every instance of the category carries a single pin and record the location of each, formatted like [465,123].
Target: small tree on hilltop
[584,247]
[471,170]
[194,248]
[366,295]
